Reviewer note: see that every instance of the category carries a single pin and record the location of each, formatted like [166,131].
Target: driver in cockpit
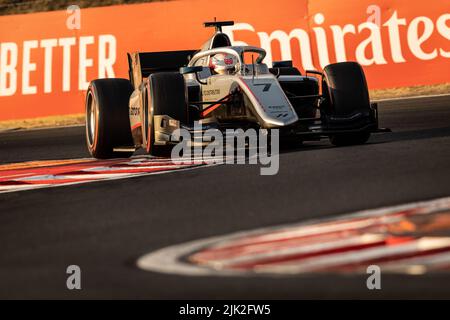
[223,63]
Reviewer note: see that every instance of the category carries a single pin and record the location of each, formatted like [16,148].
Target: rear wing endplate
[143,64]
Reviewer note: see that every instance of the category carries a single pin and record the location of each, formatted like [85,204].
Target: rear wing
[143,64]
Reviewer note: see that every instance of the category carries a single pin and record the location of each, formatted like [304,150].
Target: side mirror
[187,70]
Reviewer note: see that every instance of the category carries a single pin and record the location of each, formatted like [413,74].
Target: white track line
[443,95]
[170,260]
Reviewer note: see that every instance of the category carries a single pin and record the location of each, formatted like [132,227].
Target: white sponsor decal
[15,55]
[369,52]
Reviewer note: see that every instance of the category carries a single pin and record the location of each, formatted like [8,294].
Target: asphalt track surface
[104,227]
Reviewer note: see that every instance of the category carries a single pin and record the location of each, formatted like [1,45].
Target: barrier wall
[45,64]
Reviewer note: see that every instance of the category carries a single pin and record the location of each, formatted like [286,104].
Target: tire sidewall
[112,125]
[149,133]
[92,98]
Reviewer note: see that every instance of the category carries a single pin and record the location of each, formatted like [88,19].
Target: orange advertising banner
[47,59]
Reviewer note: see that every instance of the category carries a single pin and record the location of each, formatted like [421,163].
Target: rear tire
[346,92]
[107,118]
[166,95]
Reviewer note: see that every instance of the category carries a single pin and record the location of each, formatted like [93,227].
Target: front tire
[347,96]
[166,95]
[107,118]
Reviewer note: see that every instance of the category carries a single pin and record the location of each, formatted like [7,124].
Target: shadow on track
[421,134]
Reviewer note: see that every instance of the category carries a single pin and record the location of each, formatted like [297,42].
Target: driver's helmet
[223,63]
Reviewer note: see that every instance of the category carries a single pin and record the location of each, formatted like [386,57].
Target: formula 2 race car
[224,87]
